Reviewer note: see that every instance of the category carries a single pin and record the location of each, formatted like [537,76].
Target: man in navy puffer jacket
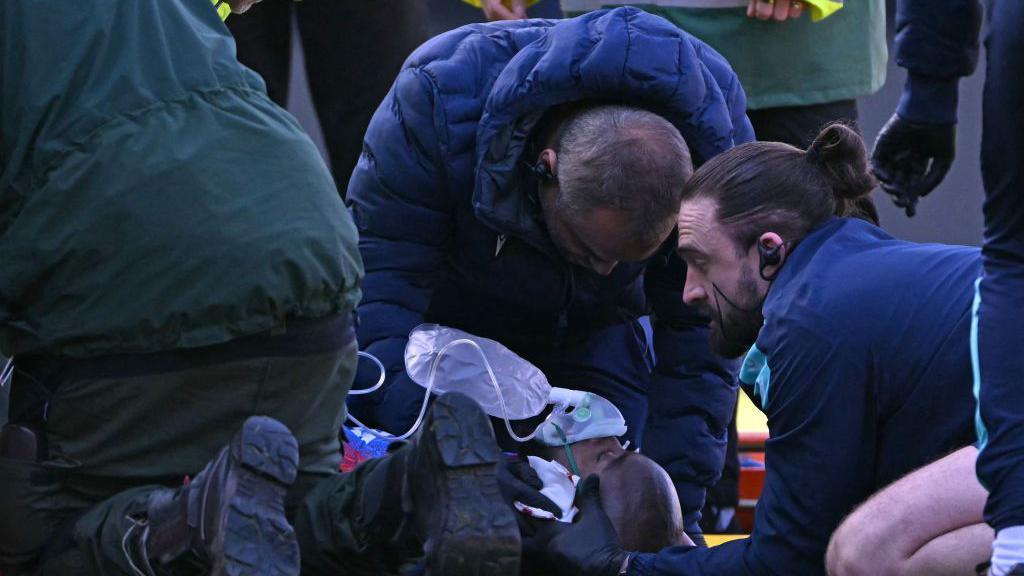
[516,184]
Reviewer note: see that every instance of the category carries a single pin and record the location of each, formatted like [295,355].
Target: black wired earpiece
[768,256]
[542,171]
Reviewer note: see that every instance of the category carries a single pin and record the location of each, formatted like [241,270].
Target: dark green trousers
[114,440]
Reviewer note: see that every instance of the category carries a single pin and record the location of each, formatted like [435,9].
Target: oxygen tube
[380,381]
[573,467]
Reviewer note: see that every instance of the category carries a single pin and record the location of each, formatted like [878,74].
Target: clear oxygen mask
[592,416]
[443,359]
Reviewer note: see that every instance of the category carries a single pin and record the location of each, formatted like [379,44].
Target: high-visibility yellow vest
[223,9]
[508,3]
[820,9]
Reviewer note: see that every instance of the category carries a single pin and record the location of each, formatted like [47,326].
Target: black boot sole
[258,539]
[470,531]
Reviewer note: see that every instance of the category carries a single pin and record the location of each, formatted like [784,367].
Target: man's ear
[547,164]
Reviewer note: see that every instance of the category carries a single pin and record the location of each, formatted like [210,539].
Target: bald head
[642,503]
[622,158]
[637,493]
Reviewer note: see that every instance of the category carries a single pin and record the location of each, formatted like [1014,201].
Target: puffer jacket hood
[617,55]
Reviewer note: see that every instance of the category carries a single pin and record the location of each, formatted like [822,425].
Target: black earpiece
[769,256]
[542,170]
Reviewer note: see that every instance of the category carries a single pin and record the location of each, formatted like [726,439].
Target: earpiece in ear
[542,171]
[768,256]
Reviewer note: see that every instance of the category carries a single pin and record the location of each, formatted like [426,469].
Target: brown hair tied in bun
[838,152]
[762,186]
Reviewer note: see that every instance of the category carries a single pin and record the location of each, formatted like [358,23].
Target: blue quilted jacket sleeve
[397,195]
[937,42]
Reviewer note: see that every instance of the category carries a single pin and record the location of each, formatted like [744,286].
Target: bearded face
[736,316]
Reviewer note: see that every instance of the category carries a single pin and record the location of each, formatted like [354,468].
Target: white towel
[559,486]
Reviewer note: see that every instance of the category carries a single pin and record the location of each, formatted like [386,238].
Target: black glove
[589,546]
[520,483]
[911,159]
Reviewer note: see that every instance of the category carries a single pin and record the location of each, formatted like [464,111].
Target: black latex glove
[520,483]
[911,159]
[590,545]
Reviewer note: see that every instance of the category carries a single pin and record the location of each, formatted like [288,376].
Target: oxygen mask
[443,359]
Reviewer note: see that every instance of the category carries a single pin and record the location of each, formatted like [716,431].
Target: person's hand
[910,159]
[240,6]
[779,10]
[520,483]
[497,10]
[589,546]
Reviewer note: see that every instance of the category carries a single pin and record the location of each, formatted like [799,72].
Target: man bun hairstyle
[770,186]
[839,152]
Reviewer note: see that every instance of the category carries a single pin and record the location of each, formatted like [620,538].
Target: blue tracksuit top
[863,368]
[450,230]
[937,42]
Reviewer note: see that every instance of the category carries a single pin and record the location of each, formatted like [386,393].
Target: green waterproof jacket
[151,196]
[792,63]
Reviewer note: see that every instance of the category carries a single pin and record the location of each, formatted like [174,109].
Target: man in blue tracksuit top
[459,197]
[938,44]
[857,345]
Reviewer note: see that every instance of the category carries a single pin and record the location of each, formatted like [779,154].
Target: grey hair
[625,158]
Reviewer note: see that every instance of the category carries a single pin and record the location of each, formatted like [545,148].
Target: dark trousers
[998,338]
[353,51]
[798,125]
[795,125]
[119,428]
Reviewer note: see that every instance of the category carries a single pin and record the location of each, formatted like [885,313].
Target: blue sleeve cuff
[641,565]
[929,100]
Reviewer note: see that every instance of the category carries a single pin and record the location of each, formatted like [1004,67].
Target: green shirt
[797,62]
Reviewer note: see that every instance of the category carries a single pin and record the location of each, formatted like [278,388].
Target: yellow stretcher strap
[713,540]
[506,2]
[223,9]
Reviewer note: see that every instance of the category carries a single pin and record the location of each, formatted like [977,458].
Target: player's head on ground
[637,493]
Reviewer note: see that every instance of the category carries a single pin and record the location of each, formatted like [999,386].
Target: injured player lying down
[636,493]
